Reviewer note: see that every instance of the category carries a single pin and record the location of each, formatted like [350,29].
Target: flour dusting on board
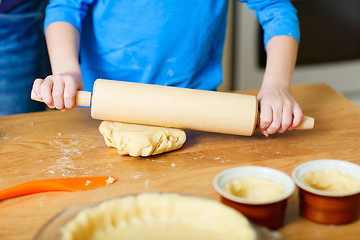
[146,183]
[62,163]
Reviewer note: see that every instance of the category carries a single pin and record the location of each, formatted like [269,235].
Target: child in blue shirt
[172,42]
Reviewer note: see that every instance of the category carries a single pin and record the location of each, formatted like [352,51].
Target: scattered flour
[110,180]
[146,183]
[137,175]
[154,160]
[62,162]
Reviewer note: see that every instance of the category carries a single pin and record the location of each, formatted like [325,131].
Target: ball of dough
[141,140]
[156,216]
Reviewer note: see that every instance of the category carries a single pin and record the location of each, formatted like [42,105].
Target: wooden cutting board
[54,144]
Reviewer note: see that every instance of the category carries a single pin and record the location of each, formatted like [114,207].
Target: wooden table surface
[54,144]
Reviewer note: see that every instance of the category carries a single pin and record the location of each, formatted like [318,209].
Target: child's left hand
[278,110]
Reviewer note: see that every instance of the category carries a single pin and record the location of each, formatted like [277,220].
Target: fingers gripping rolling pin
[174,107]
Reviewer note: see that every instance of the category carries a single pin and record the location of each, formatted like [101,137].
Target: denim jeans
[23,57]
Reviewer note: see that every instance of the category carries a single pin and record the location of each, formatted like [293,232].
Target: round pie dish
[150,216]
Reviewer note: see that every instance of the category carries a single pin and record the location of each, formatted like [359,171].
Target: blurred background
[329,50]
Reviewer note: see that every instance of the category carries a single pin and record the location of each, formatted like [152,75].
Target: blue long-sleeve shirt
[173,42]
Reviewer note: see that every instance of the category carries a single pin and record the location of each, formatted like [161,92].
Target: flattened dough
[159,216]
[140,140]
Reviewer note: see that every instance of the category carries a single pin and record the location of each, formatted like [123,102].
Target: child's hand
[59,91]
[278,111]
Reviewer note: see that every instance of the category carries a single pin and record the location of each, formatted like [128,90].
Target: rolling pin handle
[83,98]
[306,123]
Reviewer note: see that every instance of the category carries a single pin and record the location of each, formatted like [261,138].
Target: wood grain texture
[56,144]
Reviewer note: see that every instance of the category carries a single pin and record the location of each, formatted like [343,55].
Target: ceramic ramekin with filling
[323,200]
[262,210]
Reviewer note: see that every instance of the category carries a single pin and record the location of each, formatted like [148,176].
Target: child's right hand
[59,91]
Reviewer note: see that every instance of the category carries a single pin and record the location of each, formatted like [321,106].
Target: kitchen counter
[54,144]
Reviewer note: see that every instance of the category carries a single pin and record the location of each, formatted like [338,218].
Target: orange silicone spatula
[60,184]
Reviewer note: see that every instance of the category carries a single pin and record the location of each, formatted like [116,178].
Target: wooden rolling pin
[175,107]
